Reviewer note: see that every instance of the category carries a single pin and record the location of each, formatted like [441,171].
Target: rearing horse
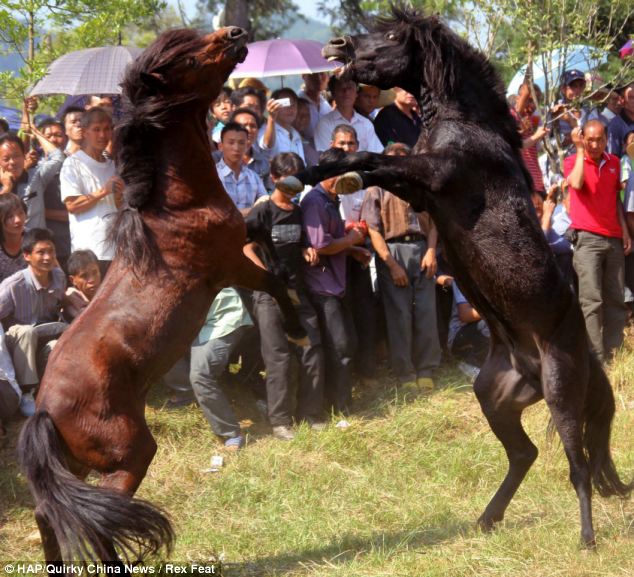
[466,170]
[179,240]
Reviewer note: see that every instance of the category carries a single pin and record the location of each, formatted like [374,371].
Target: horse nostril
[236,32]
[338,42]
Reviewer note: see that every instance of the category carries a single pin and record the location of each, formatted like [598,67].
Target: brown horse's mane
[454,70]
[147,110]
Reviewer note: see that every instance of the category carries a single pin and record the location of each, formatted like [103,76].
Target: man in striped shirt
[242,184]
[30,299]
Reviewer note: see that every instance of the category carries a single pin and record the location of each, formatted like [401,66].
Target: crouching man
[30,305]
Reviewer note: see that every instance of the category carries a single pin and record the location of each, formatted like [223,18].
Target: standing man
[344,93]
[54,210]
[400,121]
[406,265]
[90,188]
[326,282]
[602,237]
[367,101]
[72,127]
[622,123]
[312,92]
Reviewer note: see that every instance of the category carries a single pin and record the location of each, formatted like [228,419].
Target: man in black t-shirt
[280,218]
[399,122]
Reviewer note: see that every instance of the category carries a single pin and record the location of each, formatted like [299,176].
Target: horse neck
[187,152]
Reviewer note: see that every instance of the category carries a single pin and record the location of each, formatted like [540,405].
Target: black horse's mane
[455,71]
[146,113]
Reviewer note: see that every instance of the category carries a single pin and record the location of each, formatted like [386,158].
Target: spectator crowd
[365,271]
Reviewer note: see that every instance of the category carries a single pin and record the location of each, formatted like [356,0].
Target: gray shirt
[31,190]
[24,301]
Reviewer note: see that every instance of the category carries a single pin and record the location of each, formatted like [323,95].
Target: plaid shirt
[244,190]
[24,301]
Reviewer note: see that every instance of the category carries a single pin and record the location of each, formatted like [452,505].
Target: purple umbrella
[90,71]
[626,50]
[282,57]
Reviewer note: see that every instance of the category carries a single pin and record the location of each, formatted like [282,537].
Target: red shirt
[594,208]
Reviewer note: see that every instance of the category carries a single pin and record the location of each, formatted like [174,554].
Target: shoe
[425,383]
[283,433]
[316,425]
[262,407]
[27,404]
[178,401]
[234,444]
[469,371]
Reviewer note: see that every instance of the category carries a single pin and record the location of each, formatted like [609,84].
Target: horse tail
[599,412]
[83,517]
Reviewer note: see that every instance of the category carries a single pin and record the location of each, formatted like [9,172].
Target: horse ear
[153,80]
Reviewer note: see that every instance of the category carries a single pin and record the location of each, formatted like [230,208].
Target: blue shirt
[245,189]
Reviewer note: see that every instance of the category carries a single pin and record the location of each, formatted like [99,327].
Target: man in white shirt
[90,188]
[287,139]
[345,94]
[312,91]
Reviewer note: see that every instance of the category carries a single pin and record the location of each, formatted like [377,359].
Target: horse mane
[455,71]
[147,111]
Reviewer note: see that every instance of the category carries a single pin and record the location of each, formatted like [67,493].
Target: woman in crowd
[12,220]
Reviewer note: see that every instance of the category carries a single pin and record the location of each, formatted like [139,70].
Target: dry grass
[395,494]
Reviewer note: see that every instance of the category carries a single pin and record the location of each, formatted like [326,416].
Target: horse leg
[134,455]
[250,276]
[565,389]
[503,394]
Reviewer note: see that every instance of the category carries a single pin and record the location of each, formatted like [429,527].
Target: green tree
[263,19]
[355,16]
[41,30]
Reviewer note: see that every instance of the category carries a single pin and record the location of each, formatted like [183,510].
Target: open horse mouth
[339,50]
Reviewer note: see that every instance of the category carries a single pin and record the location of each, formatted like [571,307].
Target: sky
[306,7]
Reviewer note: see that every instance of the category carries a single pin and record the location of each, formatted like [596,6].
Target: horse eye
[391,36]
[193,63]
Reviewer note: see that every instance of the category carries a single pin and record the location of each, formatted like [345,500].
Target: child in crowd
[85,276]
[221,110]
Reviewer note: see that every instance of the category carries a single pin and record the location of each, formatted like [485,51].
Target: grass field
[396,494]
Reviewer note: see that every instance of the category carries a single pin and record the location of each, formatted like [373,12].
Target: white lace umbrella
[89,71]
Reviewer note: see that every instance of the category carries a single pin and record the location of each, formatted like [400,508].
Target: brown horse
[179,240]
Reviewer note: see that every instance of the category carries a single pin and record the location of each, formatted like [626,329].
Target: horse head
[386,57]
[185,65]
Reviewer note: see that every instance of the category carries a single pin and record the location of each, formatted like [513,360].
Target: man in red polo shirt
[602,237]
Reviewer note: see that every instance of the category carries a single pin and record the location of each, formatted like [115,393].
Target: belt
[405,238]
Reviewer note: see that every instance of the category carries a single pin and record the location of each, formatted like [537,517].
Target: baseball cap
[571,75]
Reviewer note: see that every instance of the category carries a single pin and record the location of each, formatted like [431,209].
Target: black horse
[466,170]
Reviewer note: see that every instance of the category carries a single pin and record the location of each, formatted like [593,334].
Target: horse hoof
[486,524]
[290,185]
[348,183]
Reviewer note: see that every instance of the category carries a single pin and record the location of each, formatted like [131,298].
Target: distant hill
[310,30]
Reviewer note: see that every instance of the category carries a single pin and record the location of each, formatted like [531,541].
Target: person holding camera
[602,238]
[283,109]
